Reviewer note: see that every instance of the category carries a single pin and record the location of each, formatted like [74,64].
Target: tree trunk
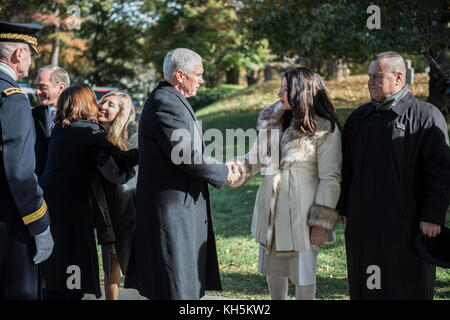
[56,44]
[268,73]
[439,75]
[233,76]
[252,77]
[336,69]
[315,64]
[213,79]
[55,51]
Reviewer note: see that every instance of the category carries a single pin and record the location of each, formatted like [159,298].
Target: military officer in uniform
[25,235]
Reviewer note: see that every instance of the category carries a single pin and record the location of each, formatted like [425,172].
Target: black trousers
[62,295]
[18,273]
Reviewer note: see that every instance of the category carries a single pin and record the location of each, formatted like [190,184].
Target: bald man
[396,183]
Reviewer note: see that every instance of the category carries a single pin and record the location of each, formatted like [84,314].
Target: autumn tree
[332,30]
[211,28]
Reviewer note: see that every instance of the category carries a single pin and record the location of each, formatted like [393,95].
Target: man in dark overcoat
[396,183]
[50,82]
[175,246]
[25,237]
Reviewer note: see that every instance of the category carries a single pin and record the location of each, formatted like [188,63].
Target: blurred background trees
[327,35]
[123,43]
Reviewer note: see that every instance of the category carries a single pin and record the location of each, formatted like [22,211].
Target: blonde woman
[117,115]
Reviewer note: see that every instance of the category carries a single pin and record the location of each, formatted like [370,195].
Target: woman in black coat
[77,140]
[117,115]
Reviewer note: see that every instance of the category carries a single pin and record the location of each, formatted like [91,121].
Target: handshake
[234,172]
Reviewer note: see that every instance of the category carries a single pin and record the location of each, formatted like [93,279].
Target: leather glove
[44,246]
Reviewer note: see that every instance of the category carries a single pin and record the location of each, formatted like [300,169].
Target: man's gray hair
[180,59]
[392,61]
[58,74]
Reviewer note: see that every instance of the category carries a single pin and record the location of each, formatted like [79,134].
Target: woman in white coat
[299,152]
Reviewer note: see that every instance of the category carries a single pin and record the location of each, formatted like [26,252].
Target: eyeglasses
[379,77]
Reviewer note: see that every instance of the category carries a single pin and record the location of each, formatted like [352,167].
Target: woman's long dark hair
[307,97]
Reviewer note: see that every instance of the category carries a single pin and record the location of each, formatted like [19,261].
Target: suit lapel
[43,120]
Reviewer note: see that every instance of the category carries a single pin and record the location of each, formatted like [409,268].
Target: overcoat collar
[399,108]
[167,86]
[7,78]
[8,70]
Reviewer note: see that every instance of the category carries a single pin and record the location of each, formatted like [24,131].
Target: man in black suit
[176,254]
[50,82]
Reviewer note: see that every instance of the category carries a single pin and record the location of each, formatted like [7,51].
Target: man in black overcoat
[25,237]
[175,246]
[50,82]
[396,183]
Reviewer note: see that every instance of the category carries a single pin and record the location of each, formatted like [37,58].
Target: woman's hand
[318,236]
[342,220]
[234,172]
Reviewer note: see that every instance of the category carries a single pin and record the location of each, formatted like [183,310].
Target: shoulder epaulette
[10,91]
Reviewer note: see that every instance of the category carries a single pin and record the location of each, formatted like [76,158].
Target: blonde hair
[118,131]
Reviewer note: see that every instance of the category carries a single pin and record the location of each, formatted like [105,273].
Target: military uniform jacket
[21,199]
[396,173]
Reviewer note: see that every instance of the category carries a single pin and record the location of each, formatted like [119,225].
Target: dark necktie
[52,116]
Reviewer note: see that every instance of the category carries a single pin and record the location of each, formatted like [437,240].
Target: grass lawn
[233,208]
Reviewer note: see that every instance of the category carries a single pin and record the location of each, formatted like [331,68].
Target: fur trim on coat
[325,217]
[295,170]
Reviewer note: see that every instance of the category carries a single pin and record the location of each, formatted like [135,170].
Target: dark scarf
[391,101]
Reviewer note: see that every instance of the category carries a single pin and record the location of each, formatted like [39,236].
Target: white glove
[44,246]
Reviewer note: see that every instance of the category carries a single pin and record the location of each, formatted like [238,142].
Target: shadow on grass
[442,289]
[244,286]
[254,286]
[233,210]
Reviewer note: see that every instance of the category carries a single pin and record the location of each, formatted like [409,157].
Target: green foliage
[418,62]
[114,46]
[316,30]
[210,28]
[206,96]
[339,29]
